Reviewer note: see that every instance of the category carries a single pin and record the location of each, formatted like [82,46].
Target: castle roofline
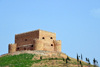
[34,31]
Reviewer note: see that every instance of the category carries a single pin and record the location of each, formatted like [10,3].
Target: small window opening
[43,38]
[51,37]
[51,44]
[18,48]
[24,48]
[25,39]
[31,45]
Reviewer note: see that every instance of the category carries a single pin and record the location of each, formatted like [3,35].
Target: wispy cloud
[95,12]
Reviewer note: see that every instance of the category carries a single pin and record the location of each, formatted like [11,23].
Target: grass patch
[21,60]
[25,60]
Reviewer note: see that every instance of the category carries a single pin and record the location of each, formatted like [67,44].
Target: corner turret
[12,48]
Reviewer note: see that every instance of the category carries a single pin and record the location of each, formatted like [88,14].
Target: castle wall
[48,46]
[12,48]
[25,47]
[57,45]
[48,38]
[36,40]
[47,35]
[42,45]
[38,44]
[26,38]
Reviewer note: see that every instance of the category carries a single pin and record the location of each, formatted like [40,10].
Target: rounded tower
[57,45]
[38,44]
[12,48]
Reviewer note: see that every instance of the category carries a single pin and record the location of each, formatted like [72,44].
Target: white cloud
[96,12]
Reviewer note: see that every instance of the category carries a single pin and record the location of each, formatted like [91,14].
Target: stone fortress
[36,40]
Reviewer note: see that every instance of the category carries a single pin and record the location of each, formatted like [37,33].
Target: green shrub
[41,57]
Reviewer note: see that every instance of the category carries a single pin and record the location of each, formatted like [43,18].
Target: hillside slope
[37,59]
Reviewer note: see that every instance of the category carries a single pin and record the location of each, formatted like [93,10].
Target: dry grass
[59,63]
[34,60]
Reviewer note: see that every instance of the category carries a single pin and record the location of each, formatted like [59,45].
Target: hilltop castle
[36,40]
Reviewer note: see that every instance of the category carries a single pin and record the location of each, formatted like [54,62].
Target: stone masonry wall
[26,38]
[48,40]
[36,40]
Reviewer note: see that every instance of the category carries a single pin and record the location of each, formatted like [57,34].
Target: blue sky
[75,22]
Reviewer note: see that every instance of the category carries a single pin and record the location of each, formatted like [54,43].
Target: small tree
[81,57]
[41,57]
[67,62]
[94,61]
[88,61]
[78,59]
[81,64]
[68,58]
[63,59]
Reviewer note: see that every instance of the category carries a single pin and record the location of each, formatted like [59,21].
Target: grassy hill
[33,60]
